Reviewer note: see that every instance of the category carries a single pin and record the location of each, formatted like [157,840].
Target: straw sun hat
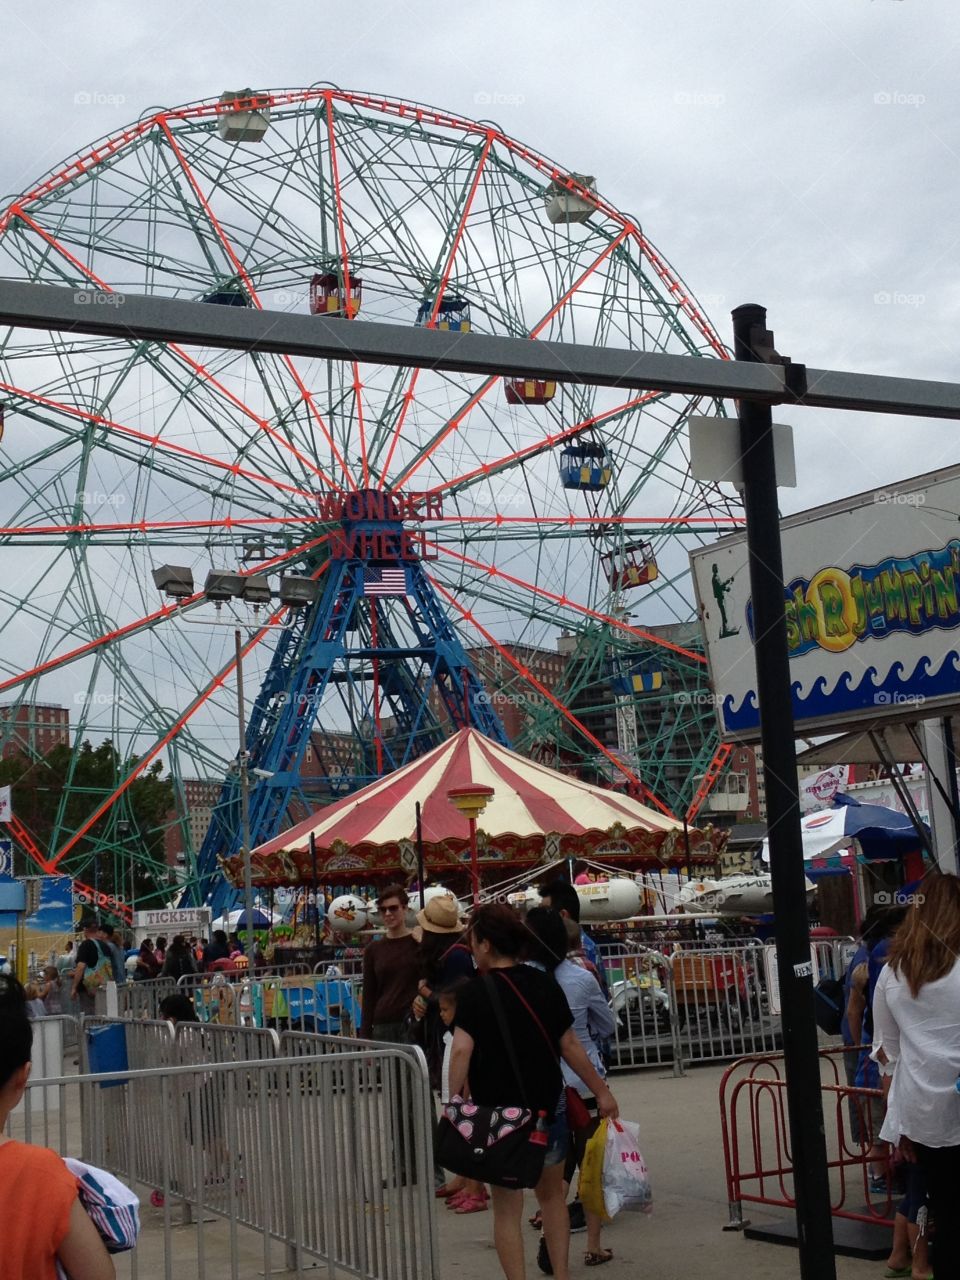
[440,915]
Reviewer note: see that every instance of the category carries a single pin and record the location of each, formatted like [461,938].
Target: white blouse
[921,1038]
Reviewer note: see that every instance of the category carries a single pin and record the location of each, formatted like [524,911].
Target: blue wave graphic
[894,691]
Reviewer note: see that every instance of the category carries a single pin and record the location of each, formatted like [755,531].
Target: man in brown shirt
[390,970]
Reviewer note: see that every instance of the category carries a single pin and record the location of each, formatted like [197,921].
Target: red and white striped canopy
[530,799]
[535,813]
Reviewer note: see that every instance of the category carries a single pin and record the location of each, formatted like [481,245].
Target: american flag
[384,582]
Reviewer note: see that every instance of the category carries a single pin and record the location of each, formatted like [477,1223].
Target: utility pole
[244,800]
[752,342]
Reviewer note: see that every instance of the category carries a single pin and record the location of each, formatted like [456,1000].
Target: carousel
[534,817]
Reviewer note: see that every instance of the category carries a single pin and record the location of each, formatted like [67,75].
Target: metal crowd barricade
[143,999]
[198,1042]
[281,1163]
[723,1004]
[756,1140]
[697,1004]
[645,1034]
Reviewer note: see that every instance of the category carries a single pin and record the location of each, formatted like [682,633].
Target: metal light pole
[471,802]
[244,799]
[792,928]
[316,893]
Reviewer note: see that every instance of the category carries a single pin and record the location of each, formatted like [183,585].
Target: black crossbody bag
[503,1145]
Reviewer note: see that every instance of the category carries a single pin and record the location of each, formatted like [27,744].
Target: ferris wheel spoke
[195,365]
[543,445]
[527,675]
[565,602]
[152,441]
[458,418]
[646,523]
[341,231]
[241,271]
[431,322]
[153,526]
[149,620]
[153,752]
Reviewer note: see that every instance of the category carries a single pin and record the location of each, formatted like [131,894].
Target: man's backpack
[829,1005]
[100,974]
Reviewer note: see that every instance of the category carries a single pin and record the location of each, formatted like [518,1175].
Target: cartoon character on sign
[721,588]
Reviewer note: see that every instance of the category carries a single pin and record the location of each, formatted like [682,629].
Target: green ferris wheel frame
[120,456]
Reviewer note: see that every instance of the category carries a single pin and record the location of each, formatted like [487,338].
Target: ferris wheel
[370,530]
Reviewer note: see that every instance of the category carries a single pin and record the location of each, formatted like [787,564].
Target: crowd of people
[431,984]
[470,992]
[104,954]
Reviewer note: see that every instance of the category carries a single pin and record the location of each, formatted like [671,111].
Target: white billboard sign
[820,789]
[872,602]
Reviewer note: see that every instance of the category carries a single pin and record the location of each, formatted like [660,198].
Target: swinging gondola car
[641,678]
[636,568]
[529,390]
[228,296]
[248,118]
[585,465]
[453,314]
[329,295]
[564,205]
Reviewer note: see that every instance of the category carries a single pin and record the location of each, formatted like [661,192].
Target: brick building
[32,729]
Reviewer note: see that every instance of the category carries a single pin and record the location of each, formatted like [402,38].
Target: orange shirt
[37,1192]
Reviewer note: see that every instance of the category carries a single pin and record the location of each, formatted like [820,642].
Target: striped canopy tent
[536,816]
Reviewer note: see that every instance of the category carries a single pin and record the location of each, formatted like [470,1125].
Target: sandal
[597,1257]
[447,1190]
[472,1204]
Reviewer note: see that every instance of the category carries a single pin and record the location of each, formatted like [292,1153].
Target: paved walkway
[683,1237]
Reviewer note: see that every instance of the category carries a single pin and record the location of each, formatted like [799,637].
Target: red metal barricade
[756,1140]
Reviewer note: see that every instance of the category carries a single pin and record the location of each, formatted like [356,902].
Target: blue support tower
[371,650]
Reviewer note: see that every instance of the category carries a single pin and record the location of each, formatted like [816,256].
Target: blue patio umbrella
[882,833]
[236,921]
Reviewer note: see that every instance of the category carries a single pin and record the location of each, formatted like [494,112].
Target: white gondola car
[248,120]
[564,205]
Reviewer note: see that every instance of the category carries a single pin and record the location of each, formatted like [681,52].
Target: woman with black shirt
[179,963]
[539,1024]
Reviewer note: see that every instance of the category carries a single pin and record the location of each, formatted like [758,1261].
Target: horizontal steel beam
[137,317]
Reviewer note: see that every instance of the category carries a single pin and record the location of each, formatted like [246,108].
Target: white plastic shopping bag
[626,1180]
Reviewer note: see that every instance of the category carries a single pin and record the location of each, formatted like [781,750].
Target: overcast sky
[803,154]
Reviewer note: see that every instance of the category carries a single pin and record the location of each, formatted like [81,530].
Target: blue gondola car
[452,314]
[585,465]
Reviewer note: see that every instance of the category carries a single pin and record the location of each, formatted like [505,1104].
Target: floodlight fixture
[256,589]
[223,585]
[298,592]
[174,580]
